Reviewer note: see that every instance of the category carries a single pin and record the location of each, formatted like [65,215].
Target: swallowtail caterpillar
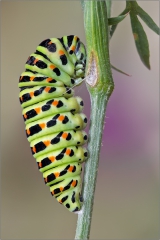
[52,115]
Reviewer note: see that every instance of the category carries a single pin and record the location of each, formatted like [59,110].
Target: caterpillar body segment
[36,94]
[60,157]
[52,106]
[53,118]
[55,51]
[55,123]
[29,78]
[56,141]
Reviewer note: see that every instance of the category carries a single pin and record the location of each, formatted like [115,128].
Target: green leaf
[132,5]
[120,71]
[148,20]
[141,40]
[116,20]
[113,28]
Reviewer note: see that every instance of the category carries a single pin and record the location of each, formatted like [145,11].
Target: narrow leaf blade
[141,40]
[113,28]
[120,71]
[116,20]
[148,20]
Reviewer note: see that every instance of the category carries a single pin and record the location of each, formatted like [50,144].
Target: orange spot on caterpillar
[135,35]
[40,164]
[52,158]
[31,78]
[64,135]
[31,94]
[55,103]
[28,131]
[50,42]
[74,183]
[47,143]
[56,174]
[52,67]
[60,201]
[37,110]
[73,48]
[49,79]
[61,188]
[45,179]
[70,169]
[34,149]
[68,151]
[36,60]
[47,89]
[21,99]
[61,118]
[25,116]
[61,52]
[20,78]
[53,192]
[42,125]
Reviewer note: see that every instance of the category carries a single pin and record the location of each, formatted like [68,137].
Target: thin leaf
[141,40]
[148,20]
[132,5]
[113,28]
[120,71]
[116,20]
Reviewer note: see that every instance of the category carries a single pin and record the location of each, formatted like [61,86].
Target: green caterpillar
[53,117]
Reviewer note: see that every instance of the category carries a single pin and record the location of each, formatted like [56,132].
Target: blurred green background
[127,201]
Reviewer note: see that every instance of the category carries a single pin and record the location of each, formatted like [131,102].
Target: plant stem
[91,167]
[109,5]
[96,29]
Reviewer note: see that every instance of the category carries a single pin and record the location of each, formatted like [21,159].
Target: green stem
[91,167]
[98,70]
[109,5]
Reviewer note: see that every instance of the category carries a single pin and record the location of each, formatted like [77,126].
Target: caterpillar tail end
[71,200]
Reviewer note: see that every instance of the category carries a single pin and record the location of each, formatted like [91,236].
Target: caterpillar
[52,115]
